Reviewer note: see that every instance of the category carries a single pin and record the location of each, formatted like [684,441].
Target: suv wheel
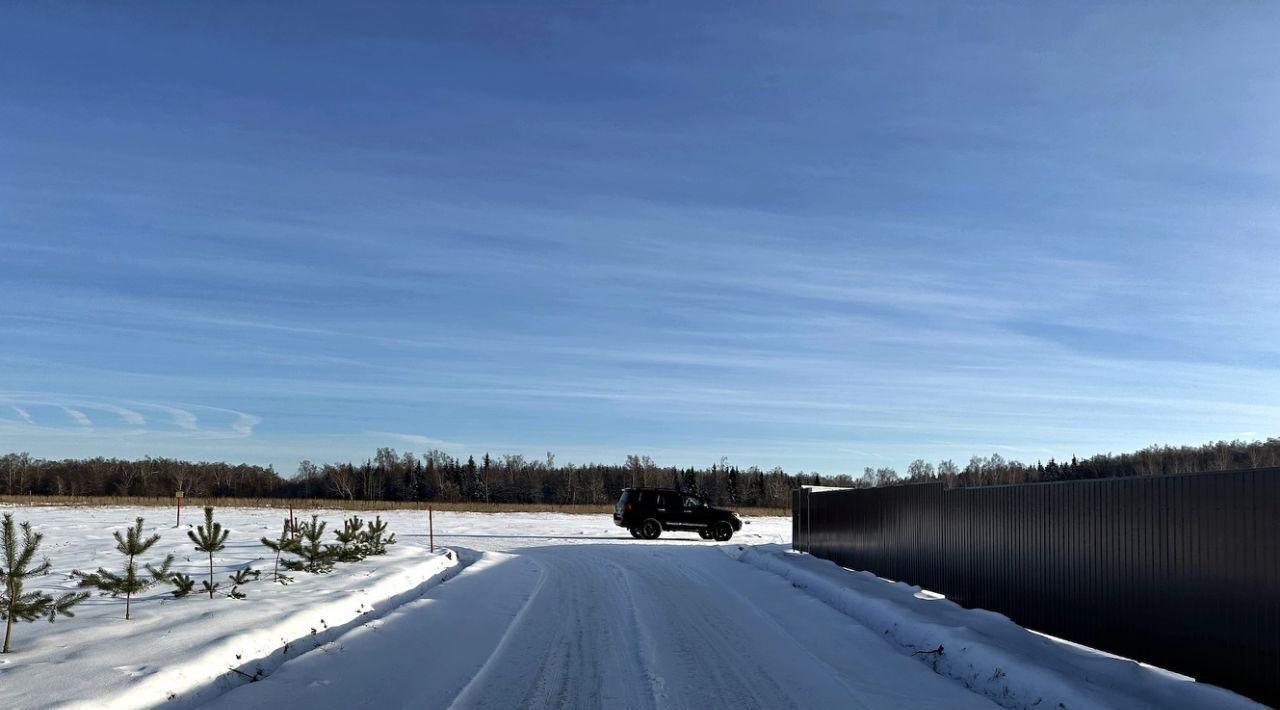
[635,532]
[650,529]
[722,531]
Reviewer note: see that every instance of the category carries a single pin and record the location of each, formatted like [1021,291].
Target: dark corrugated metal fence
[1179,571]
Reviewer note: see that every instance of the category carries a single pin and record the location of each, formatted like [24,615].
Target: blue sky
[816,235]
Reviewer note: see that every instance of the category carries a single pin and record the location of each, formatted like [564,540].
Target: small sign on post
[178,495]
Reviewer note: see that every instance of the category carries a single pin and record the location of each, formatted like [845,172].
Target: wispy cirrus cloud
[123,417]
[80,418]
[418,440]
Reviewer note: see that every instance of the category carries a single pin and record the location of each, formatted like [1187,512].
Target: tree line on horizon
[440,477]
[1154,460]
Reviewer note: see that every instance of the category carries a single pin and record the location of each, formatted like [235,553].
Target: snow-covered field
[182,651]
[540,610]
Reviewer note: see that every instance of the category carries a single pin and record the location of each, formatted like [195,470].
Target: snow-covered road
[576,622]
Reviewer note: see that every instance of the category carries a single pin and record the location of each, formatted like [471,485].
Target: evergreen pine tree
[316,556]
[209,538]
[243,576]
[130,545]
[15,603]
[371,539]
[350,547]
[278,546]
[182,585]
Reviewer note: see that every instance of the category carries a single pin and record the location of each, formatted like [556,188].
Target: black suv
[646,512]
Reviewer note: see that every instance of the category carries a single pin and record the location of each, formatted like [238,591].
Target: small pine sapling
[209,538]
[282,544]
[244,576]
[182,585]
[162,573]
[131,544]
[15,603]
[350,547]
[316,556]
[372,540]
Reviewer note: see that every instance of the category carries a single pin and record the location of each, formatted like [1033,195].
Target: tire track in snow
[570,648]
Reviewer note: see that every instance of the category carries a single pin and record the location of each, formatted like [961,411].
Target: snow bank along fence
[1182,572]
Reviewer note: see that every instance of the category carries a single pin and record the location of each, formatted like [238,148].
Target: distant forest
[437,476]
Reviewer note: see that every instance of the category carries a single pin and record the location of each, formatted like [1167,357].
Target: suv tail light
[626,506]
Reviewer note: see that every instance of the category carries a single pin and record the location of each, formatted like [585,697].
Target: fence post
[431,529]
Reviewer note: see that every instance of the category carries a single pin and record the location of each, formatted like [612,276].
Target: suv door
[643,503]
[694,512]
[665,507]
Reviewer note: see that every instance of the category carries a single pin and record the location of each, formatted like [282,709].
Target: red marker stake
[431,526]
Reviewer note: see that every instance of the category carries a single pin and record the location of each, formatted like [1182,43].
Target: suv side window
[693,502]
[664,500]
